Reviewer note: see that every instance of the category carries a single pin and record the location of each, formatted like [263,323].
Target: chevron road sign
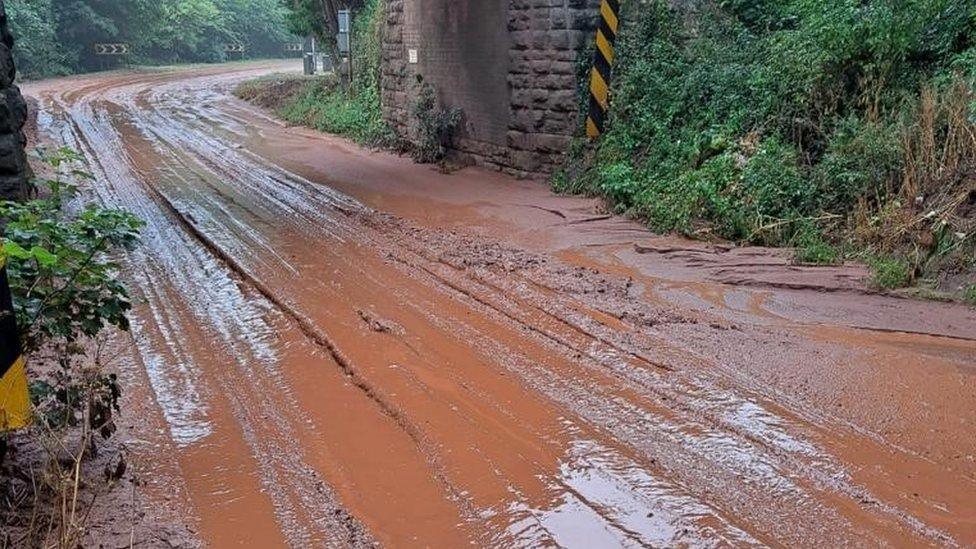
[234,48]
[111,49]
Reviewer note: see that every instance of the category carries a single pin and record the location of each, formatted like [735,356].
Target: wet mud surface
[346,349]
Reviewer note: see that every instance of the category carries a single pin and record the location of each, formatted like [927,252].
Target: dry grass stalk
[59,512]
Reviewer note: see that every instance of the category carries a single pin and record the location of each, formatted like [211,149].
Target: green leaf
[14,250]
[44,257]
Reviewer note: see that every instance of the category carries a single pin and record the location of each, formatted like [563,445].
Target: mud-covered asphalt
[338,347]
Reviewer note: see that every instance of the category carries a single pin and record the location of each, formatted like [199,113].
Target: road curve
[341,348]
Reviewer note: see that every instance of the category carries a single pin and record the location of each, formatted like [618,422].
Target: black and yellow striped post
[14,398]
[606,36]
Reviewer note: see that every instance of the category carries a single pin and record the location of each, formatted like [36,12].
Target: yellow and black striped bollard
[606,36]
[14,397]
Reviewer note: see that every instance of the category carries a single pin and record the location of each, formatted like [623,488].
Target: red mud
[345,348]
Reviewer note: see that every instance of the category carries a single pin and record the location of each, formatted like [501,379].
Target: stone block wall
[510,65]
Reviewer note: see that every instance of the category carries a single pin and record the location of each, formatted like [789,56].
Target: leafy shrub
[435,125]
[970,294]
[812,248]
[328,106]
[863,160]
[774,187]
[777,121]
[66,290]
[891,272]
[61,272]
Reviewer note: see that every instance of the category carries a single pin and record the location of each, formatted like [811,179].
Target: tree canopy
[57,36]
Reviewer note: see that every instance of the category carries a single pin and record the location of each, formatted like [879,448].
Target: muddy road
[337,347]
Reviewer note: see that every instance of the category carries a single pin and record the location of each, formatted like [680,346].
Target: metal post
[603,58]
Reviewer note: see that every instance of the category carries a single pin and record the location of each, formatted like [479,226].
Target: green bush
[970,294]
[890,272]
[863,160]
[435,125]
[329,107]
[812,248]
[60,256]
[761,120]
[61,270]
[66,290]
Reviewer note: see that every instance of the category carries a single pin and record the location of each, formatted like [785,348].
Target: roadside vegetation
[56,37]
[330,103]
[60,255]
[845,129]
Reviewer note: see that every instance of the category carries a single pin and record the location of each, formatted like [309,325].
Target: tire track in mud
[669,431]
[307,325]
[299,511]
[313,333]
[783,446]
[527,325]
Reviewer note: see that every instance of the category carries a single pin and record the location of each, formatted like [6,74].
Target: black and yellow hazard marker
[14,398]
[606,36]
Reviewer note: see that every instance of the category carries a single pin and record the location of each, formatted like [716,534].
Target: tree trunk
[330,18]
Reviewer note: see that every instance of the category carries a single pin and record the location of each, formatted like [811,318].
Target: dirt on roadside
[276,91]
[46,502]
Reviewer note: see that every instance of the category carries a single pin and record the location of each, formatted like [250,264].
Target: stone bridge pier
[512,66]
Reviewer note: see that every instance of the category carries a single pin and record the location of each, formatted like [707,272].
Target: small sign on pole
[342,40]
